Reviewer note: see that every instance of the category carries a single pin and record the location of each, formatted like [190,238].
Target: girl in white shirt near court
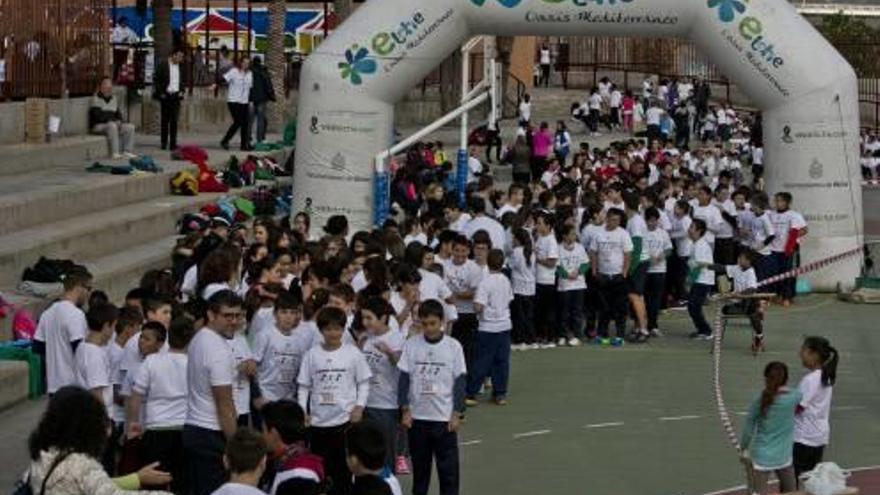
[382,349]
[574,264]
[658,246]
[279,350]
[811,427]
[701,265]
[239,81]
[547,257]
[522,266]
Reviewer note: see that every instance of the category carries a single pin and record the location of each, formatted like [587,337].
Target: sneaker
[561,342]
[534,347]
[617,342]
[499,401]
[574,342]
[116,156]
[655,332]
[401,466]
[548,345]
[129,155]
[603,341]
[516,347]
[706,336]
[471,402]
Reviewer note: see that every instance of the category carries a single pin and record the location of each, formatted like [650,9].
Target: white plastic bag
[826,479]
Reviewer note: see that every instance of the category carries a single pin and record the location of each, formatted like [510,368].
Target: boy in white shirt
[92,362]
[610,257]
[463,276]
[571,272]
[788,227]
[547,258]
[382,349]
[744,281]
[160,387]
[704,279]
[245,459]
[61,329]
[638,274]
[657,245]
[334,386]
[762,235]
[431,396]
[492,358]
[280,349]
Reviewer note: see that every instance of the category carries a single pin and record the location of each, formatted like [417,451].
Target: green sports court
[641,419]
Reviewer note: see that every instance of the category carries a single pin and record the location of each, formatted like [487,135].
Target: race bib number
[327,399]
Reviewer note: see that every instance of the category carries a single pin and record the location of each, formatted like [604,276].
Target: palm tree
[162,38]
[275,58]
[343,8]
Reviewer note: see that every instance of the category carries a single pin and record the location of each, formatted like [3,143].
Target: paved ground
[638,420]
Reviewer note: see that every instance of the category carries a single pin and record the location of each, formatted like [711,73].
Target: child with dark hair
[522,266]
[610,257]
[745,280]
[547,259]
[463,276]
[703,279]
[334,385]
[365,454]
[657,245]
[769,429]
[571,272]
[290,462]
[812,429]
[245,459]
[279,350]
[431,396]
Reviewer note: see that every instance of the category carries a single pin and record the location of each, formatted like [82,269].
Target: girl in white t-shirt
[572,283]
[703,279]
[522,266]
[811,426]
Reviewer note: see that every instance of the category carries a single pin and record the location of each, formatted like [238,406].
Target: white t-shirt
[545,57]
[210,364]
[490,226]
[589,231]
[782,224]
[161,380]
[433,369]
[329,383]
[653,116]
[241,387]
[60,325]
[655,243]
[757,156]
[742,279]
[115,353]
[420,238]
[263,319]
[595,101]
[571,259]
[712,216]
[762,228]
[725,230]
[239,82]
[546,248]
[522,274]
[494,294]
[636,227]
[475,168]
[459,224]
[93,371]
[679,233]
[462,278]
[505,208]
[237,489]
[610,247]
[190,282]
[278,359]
[811,426]
[703,255]
[432,287]
[616,99]
[383,384]
[525,111]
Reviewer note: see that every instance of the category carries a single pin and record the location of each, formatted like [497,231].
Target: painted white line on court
[603,425]
[742,413]
[531,433]
[848,408]
[471,442]
[679,418]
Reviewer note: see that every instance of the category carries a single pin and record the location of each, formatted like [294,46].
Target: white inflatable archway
[807,91]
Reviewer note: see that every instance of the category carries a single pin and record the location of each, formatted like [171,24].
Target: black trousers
[725,251]
[522,312]
[545,75]
[329,443]
[430,441]
[203,450]
[464,330]
[166,448]
[614,304]
[240,115]
[806,458]
[170,114]
[545,317]
[655,286]
[493,140]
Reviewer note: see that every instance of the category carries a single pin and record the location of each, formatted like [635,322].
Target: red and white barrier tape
[723,414]
[871,183]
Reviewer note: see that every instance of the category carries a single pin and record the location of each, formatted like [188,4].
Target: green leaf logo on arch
[507,3]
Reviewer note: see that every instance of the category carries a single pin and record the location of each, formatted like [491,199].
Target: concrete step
[62,152]
[13,383]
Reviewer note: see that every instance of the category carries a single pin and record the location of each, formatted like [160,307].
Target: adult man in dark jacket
[168,89]
[262,92]
[105,118]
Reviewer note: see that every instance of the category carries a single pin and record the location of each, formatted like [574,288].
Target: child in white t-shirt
[382,349]
[745,280]
[657,245]
[160,389]
[547,258]
[245,459]
[92,362]
[703,279]
[610,257]
[431,397]
[246,371]
[334,386]
[571,272]
[279,350]
[492,358]
[812,429]
[522,266]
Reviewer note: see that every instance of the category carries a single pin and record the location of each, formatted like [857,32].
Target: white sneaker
[655,332]
[533,347]
[574,342]
[548,345]
[707,337]
[117,156]
[561,341]
[129,155]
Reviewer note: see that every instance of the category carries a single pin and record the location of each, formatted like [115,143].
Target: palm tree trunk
[162,46]
[343,9]
[275,59]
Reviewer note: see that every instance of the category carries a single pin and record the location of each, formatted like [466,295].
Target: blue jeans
[492,358]
[696,300]
[430,440]
[571,314]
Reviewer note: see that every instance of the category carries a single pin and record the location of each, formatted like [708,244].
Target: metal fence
[53,47]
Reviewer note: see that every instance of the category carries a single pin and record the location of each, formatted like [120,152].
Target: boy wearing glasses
[211,373]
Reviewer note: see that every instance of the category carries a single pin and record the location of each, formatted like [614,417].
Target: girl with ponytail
[812,429]
[769,431]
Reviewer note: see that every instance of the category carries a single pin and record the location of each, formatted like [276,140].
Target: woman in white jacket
[66,449]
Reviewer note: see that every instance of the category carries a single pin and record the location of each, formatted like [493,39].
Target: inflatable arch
[806,90]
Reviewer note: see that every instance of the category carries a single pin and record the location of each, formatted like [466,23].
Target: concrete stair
[13,383]
[60,153]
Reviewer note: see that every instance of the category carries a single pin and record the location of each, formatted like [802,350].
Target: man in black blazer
[168,89]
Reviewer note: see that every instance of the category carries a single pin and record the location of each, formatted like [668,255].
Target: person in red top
[628,107]
[290,461]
